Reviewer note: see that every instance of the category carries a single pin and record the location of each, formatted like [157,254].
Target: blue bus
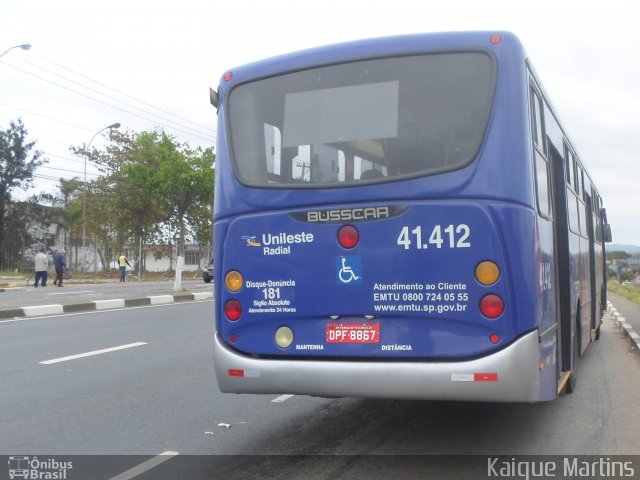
[402,217]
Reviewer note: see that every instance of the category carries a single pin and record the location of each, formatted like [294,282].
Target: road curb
[57,309]
[621,322]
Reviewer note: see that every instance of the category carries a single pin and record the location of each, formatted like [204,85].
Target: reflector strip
[243,373]
[474,377]
[485,377]
[462,377]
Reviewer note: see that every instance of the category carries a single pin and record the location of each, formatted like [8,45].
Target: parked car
[207,273]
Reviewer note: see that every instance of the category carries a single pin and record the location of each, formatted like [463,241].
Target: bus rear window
[368,121]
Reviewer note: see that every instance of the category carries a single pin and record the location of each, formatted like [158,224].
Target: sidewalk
[626,314]
[27,301]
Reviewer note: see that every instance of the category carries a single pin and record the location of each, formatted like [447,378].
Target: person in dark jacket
[58,261]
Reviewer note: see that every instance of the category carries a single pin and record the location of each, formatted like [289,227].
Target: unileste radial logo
[278,243]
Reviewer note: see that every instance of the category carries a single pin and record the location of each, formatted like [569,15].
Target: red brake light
[233,309]
[348,236]
[491,306]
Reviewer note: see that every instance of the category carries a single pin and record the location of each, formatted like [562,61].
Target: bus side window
[542,186]
[570,165]
[578,178]
[541,164]
[538,126]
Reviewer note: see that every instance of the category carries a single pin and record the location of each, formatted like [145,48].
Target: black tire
[207,280]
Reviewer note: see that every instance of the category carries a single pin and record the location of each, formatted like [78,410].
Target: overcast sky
[148,64]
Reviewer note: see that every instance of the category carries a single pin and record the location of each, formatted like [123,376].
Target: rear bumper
[510,375]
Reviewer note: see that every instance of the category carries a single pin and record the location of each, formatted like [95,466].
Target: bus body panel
[402,280]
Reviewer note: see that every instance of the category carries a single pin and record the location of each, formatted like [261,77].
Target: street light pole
[84,193]
[24,46]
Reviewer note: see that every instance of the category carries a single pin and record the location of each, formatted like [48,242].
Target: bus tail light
[233,309]
[491,306]
[494,338]
[348,236]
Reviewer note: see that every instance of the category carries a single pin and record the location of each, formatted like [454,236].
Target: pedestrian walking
[59,263]
[41,268]
[123,261]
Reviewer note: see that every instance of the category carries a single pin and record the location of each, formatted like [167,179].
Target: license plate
[353,333]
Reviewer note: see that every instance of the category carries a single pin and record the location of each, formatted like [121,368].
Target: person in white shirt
[41,268]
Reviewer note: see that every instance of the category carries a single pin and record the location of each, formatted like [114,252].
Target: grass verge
[630,292]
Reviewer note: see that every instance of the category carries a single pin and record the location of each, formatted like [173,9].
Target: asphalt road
[159,395]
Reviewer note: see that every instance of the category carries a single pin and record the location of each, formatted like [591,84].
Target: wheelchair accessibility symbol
[349,270]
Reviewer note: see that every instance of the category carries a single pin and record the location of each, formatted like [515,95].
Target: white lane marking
[88,354]
[282,398]
[145,466]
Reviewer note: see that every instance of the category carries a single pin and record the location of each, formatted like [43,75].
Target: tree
[67,214]
[17,166]
[618,255]
[627,275]
[150,183]
[186,185]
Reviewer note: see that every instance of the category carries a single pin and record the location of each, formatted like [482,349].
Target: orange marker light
[487,273]
[233,280]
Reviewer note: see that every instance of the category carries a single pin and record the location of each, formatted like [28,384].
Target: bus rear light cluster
[488,273]
[348,236]
[233,308]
